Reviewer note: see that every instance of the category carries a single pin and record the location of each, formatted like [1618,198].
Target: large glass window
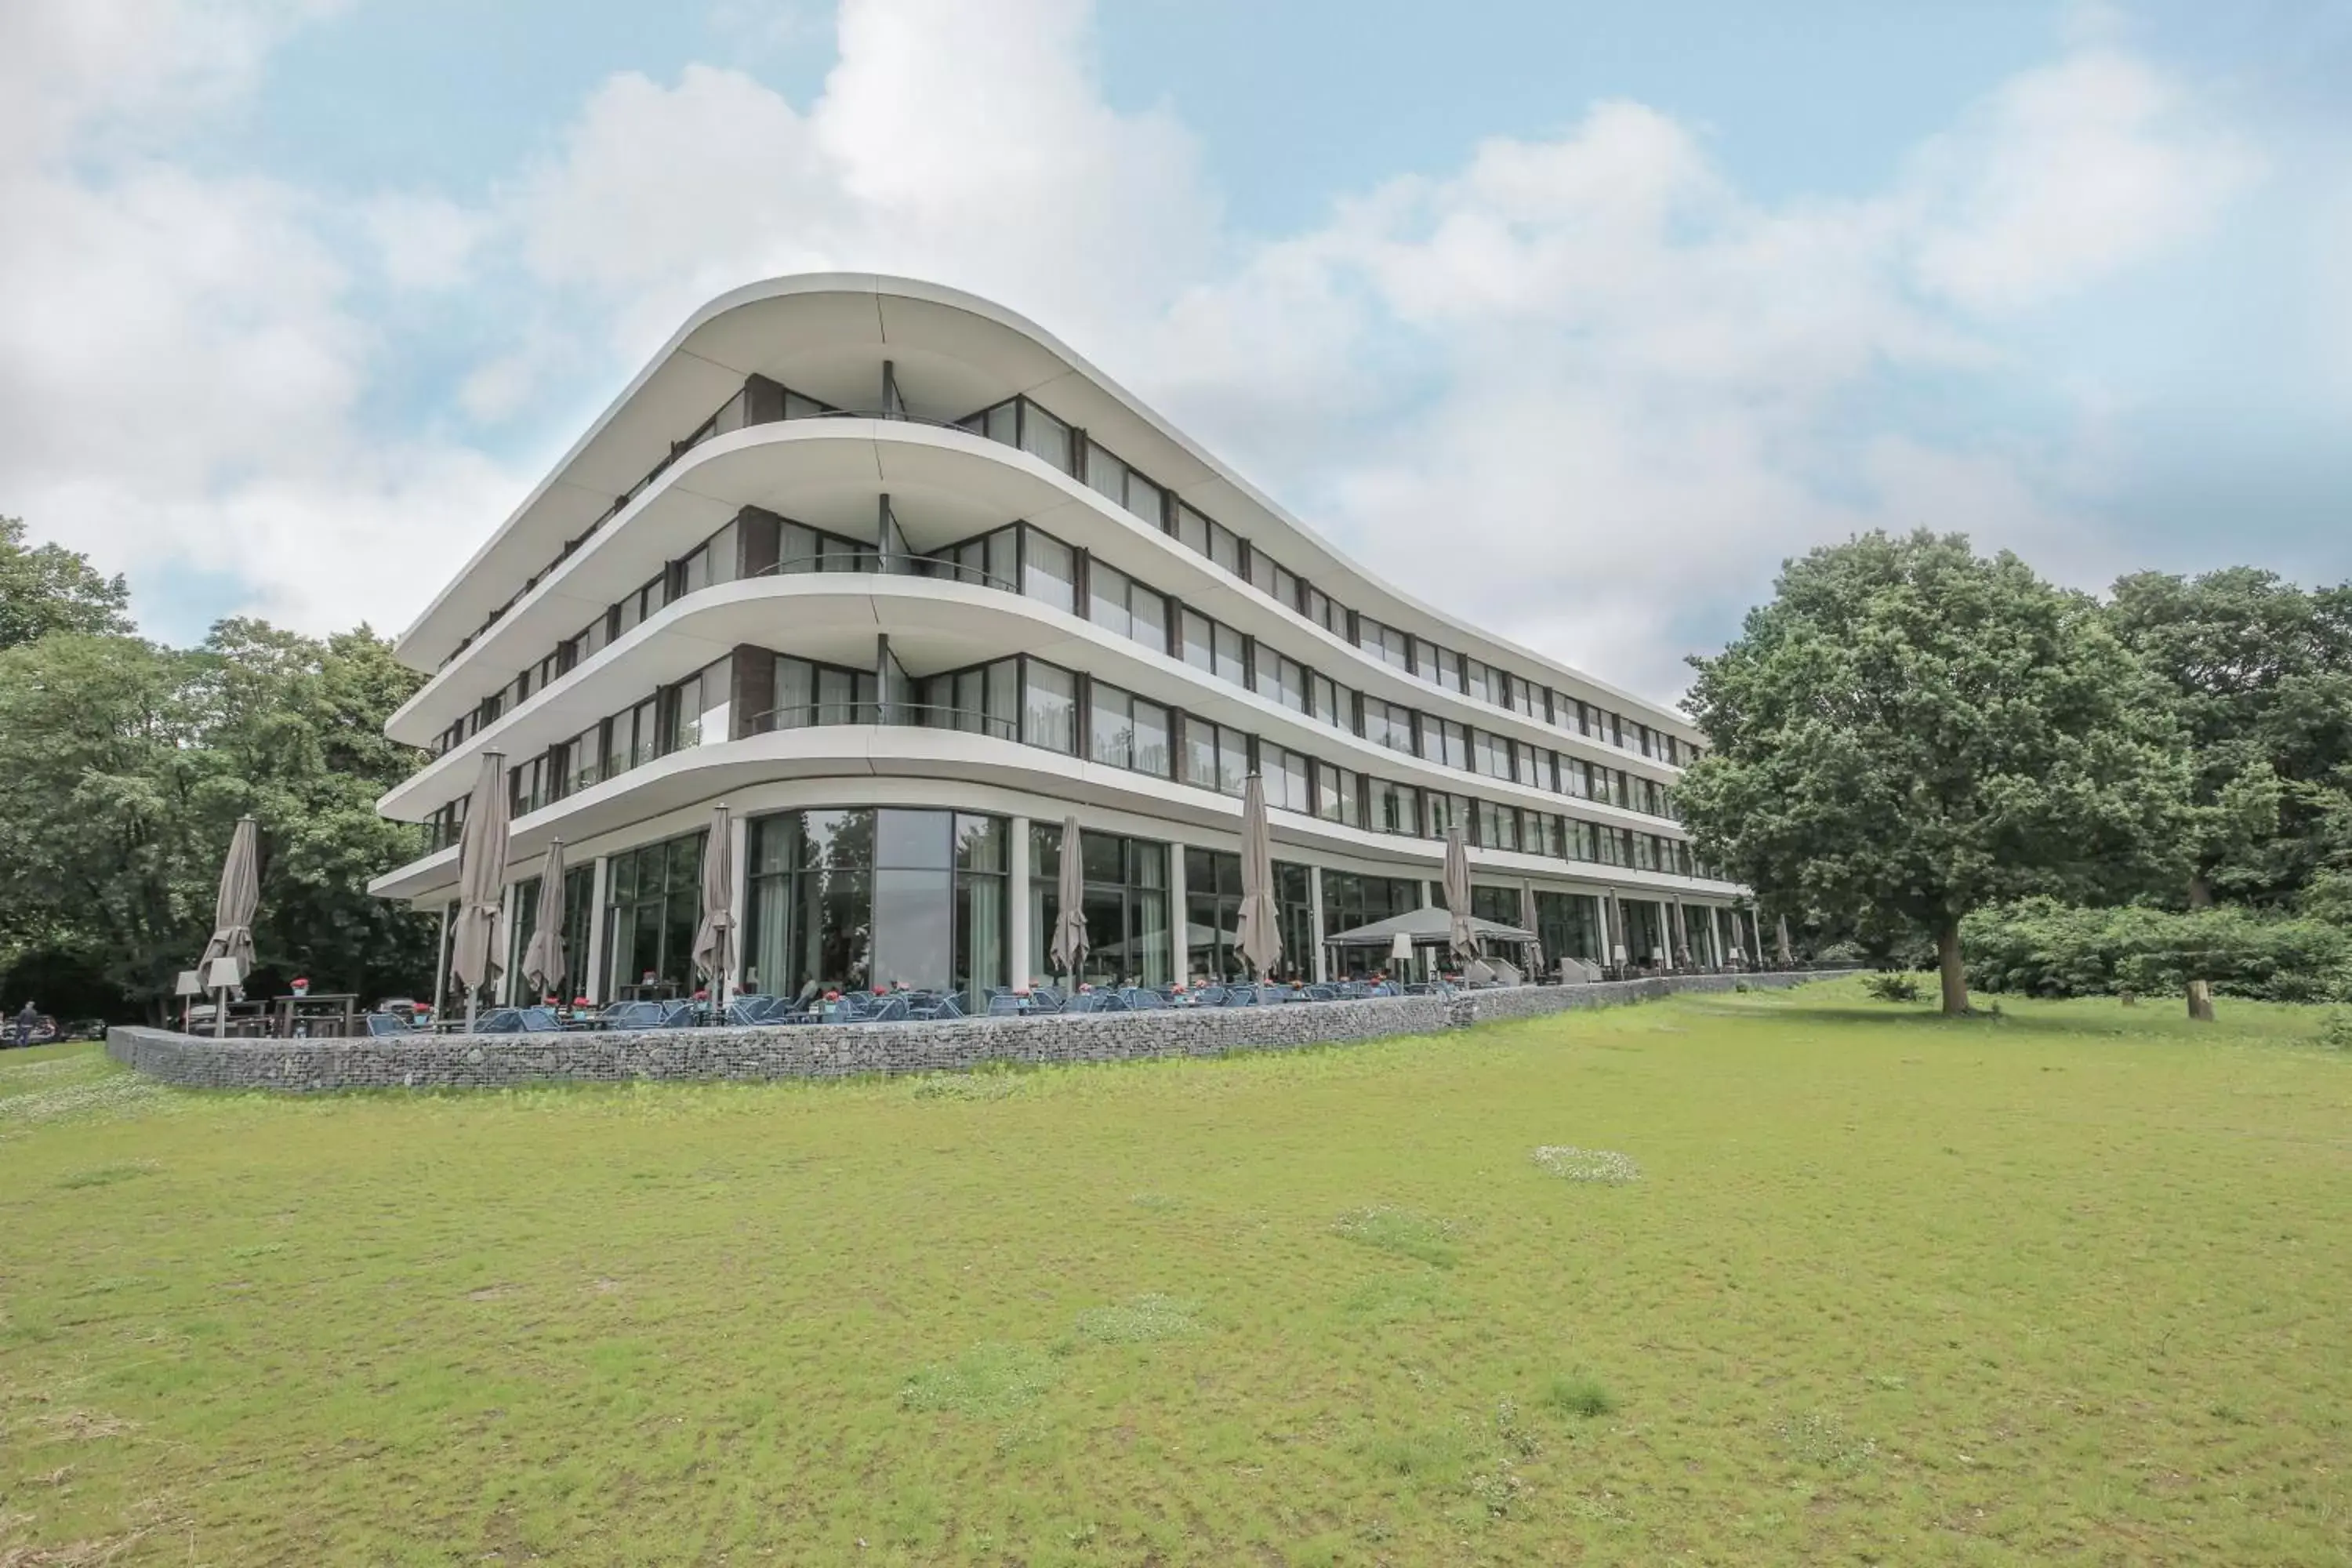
[990,561]
[1490,755]
[983,701]
[1384,643]
[1215,648]
[1213,909]
[1125,905]
[806,694]
[1118,603]
[1568,925]
[1049,707]
[1395,807]
[653,905]
[1388,724]
[1336,799]
[1209,538]
[1289,777]
[1128,731]
[1215,757]
[1351,899]
[1282,679]
[850,898]
[1444,741]
[1049,571]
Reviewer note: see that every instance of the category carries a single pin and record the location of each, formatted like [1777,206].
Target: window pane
[1106,591]
[1200,754]
[1045,435]
[1047,579]
[1050,706]
[1106,474]
[1233,760]
[1199,649]
[1113,739]
[1150,722]
[1149,617]
[1230,662]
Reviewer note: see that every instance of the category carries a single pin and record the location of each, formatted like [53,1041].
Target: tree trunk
[2201,989]
[1948,957]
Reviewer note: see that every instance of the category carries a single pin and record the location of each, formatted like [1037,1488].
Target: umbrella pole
[220,1012]
[470,998]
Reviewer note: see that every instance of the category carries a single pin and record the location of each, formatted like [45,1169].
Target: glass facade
[851,899]
[1212,908]
[1125,905]
[653,904]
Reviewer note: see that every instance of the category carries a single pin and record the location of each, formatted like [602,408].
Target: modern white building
[907,583]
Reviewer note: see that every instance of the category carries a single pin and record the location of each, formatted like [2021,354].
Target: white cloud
[423,240]
[1611,383]
[2067,174]
[181,368]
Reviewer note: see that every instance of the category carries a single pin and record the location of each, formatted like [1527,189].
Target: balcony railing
[909,715]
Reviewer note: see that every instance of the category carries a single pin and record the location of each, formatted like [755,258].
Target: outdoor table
[321,1013]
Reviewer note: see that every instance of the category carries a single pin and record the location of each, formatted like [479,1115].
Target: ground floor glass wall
[851,899]
[1569,926]
[652,906]
[1213,909]
[1125,905]
[1352,899]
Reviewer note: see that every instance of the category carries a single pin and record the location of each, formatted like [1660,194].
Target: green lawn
[2074,1284]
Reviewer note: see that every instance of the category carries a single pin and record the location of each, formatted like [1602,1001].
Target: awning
[1426,928]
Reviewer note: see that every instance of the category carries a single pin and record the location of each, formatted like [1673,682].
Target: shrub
[2336,1030]
[2044,948]
[1891,986]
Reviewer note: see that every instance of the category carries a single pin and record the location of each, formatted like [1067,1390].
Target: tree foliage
[130,766]
[48,588]
[1908,732]
[2258,673]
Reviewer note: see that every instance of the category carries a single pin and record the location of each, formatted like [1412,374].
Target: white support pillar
[599,887]
[1715,924]
[739,859]
[440,962]
[1322,970]
[505,944]
[1017,905]
[1178,925]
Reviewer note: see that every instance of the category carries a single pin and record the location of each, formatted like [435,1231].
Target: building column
[1682,939]
[1016,903]
[1715,924]
[505,944]
[599,886]
[441,960]
[1614,950]
[1322,970]
[738,862]
[1178,925]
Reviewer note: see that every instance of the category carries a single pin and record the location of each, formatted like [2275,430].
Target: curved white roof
[825,334]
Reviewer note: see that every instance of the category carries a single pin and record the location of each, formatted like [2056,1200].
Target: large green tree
[2259,675]
[48,588]
[1909,730]
[130,764]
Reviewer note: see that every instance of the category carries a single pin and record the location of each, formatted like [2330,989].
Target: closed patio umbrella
[1787,959]
[714,939]
[1068,948]
[1527,919]
[543,959]
[233,909]
[1461,942]
[478,958]
[1259,930]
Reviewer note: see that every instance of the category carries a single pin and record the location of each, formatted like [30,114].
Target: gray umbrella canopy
[476,954]
[1527,919]
[240,895]
[542,960]
[714,939]
[1258,933]
[1461,940]
[1068,948]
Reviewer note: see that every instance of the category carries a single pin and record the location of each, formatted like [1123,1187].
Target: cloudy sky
[1576,319]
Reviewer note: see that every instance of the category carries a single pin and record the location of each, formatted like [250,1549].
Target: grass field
[1865,1286]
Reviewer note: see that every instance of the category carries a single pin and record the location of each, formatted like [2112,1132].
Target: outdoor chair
[1141,999]
[500,1021]
[1004,1004]
[1321,994]
[379,1024]
[890,1010]
[539,1021]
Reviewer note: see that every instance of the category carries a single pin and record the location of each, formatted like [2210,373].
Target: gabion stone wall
[491,1061]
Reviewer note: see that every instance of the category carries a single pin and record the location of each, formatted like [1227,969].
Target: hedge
[2044,948]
